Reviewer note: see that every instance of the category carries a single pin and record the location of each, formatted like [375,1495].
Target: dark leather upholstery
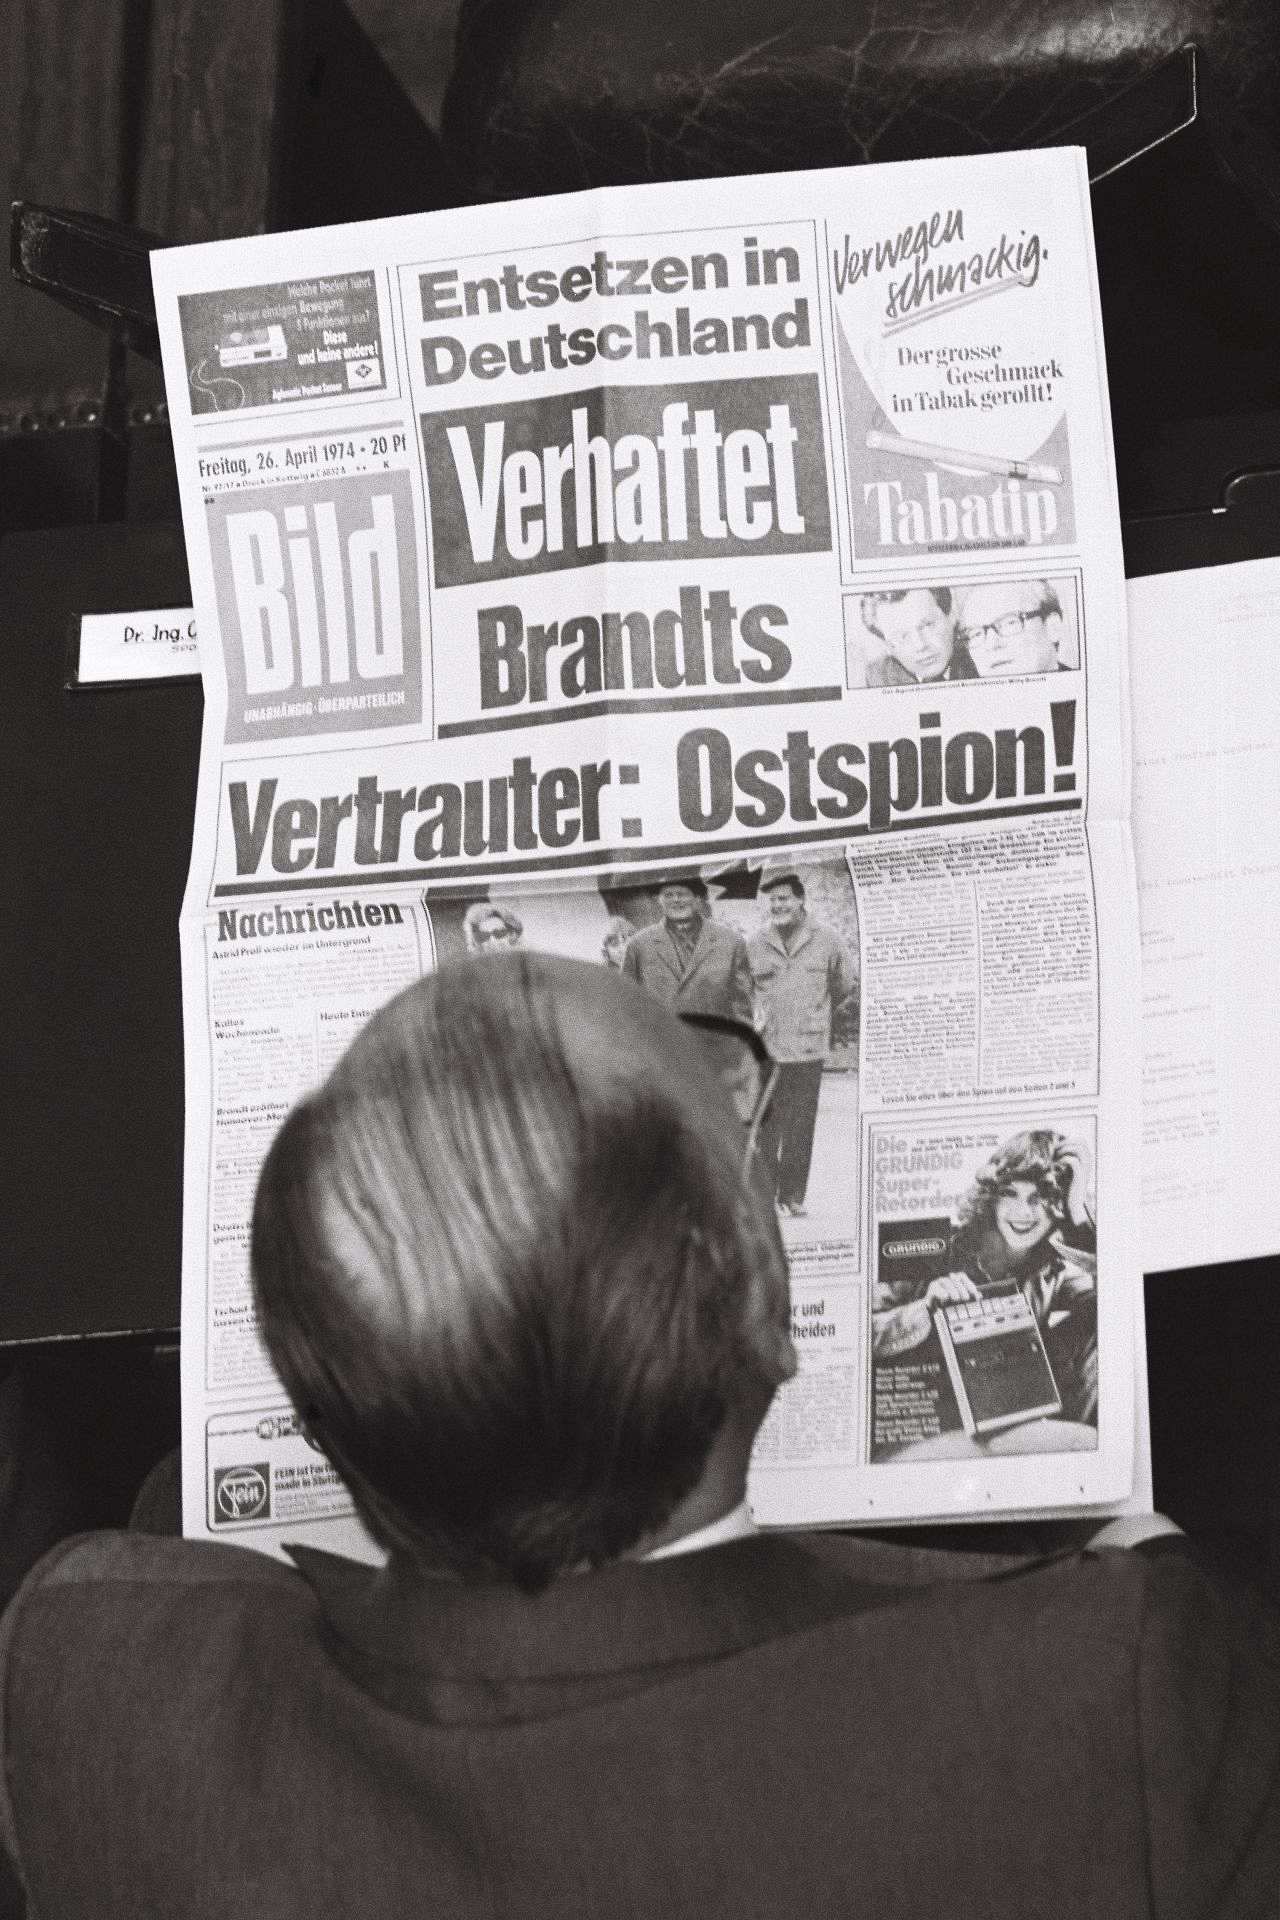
[549,95]
[194,120]
[62,93]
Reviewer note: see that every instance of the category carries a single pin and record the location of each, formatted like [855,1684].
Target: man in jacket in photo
[805,987]
[688,960]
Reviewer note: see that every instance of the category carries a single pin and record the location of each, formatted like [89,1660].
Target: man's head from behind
[510,1272]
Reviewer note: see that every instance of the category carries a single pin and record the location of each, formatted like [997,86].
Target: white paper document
[752,529]
[1206,797]
[118,649]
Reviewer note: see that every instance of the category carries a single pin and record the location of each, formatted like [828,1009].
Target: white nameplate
[158,644]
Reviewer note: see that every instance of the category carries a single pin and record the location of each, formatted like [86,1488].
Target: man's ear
[778,1350]
[768,1329]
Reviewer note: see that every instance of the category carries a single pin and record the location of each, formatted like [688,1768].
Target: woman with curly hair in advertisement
[1028,1219]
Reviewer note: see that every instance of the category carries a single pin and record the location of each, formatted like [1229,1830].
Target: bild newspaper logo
[318,606]
[241,1494]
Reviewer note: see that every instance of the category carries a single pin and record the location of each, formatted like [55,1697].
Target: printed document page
[757,533]
[1206,794]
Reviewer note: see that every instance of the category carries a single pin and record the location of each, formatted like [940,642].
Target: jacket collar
[702,944]
[455,1652]
[774,939]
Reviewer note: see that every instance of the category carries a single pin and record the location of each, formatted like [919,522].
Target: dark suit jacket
[775,1727]
[718,979]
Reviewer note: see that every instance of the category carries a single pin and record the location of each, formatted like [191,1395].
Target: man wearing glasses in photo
[524,1290]
[1015,626]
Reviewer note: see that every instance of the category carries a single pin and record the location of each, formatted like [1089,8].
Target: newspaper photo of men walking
[771,949]
[806,997]
[775,947]
[687,959]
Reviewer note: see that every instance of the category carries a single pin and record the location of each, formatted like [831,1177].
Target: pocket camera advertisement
[318,337]
[955,367]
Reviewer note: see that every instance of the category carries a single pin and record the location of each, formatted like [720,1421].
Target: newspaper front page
[760,535]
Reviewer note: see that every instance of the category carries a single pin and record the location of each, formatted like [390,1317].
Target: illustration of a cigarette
[957,457]
[956,300]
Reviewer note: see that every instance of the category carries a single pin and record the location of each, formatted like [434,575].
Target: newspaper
[760,534]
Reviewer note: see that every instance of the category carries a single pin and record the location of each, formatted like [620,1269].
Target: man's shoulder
[645,942]
[110,1563]
[816,946]
[1119,1596]
[917,1557]
[120,1655]
[882,670]
[1145,1657]
[102,1610]
[824,937]
[645,937]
